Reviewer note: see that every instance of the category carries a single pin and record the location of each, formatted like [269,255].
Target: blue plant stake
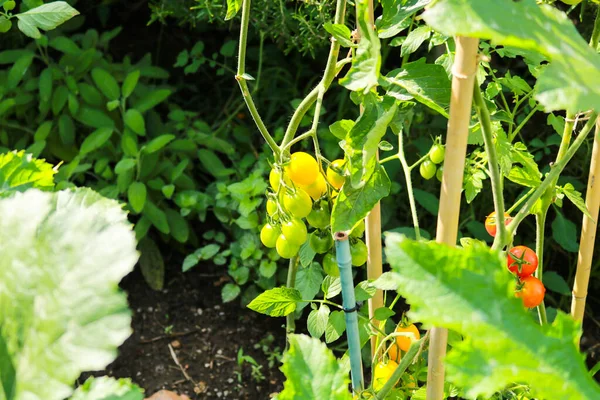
[344,260]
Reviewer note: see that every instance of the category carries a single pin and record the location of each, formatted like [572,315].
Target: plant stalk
[397,374]
[463,81]
[241,78]
[493,164]
[290,320]
[588,233]
[409,186]
[540,228]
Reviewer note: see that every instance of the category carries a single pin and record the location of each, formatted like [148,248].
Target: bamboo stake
[588,233]
[464,71]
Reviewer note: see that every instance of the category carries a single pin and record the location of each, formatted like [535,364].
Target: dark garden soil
[187,341]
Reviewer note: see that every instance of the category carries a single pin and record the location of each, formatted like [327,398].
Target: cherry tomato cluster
[522,261]
[301,191]
[385,368]
[429,168]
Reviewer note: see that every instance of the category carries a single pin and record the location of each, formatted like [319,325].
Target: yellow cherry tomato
[271,207]
[298,204]
[302,169]
[317,189]
[336,180]
[405,341]
[382,373]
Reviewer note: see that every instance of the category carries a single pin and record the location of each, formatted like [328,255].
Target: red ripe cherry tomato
[522,261]
[531,291]
[490,222]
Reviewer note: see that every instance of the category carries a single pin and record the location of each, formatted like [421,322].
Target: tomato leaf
[415,39]
[556,283]
[341,33]
[336,326]
[313,372]
[575,198]
[233,6]
[317,321]
[352,205]
[396,15]
[366,64]
[535,28]
[277,302]
[564,232]
[503,344]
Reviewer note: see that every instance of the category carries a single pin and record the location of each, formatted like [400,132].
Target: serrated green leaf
[95,140]
[353,205]
[427,83]
[366,64]
[317,321]
[531,27]
[306,254]
[564,232]
[277,302]
[312,372]
[233,6]
[341,128]
[20,171]
[415,39]
[575,197]
[331,286]
[503,344]
[522,177]
[308,282]
[473,182]
[341,33]
[136,194]
[45,17]
[396,15]
[69,305]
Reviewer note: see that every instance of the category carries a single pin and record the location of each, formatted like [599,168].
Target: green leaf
[157,217]
[415,39]
[7,372]
[564,233]
[45,17]
[66,130]
[136,194]
[125,165]
[277,302]
[352,205]
[336,325]
[6,105]
[364,291]
[341,128]
[532,27]
[64,44]
[427,200]
[331,286]
[362,141]
[383,313]
[522,177]
[105,388]
[233,6]
[308,281]
[306,254]
[312,372]
[575,198]
[152,99]
[152,264]
[366,64]
[213,164]
[73,247]
[427,83]
[341,33]
[106,83]
[130,83]
[135,121]
[503,344]
[178,226]
[45,85]
[94,118]
[18,70]
[556,283]
[158,143]
[95,140]
[317,321]
[473,182]
[20,171]
[229,292]
[395,16]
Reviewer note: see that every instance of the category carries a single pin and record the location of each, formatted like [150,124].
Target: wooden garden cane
[588,232]
[464,71]
[373,241]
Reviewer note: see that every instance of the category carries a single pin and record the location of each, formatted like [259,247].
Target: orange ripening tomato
[394,353]
[302,169]
[531,291]
[522,261]
[405,341]
[490,223]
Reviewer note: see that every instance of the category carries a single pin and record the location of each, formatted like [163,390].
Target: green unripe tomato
[269,235]
[9,5]
[285,248]
[295,231]
[319,216]
[440,173]
[571,2]
[320,243]
[5,24]
[271,207]
[437,153]
[330,265]
[358,230]
[427,169]
[359,253]
[298,204]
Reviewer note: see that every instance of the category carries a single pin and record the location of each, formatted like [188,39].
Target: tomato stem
[290,320]
[409,186]
[540,225]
